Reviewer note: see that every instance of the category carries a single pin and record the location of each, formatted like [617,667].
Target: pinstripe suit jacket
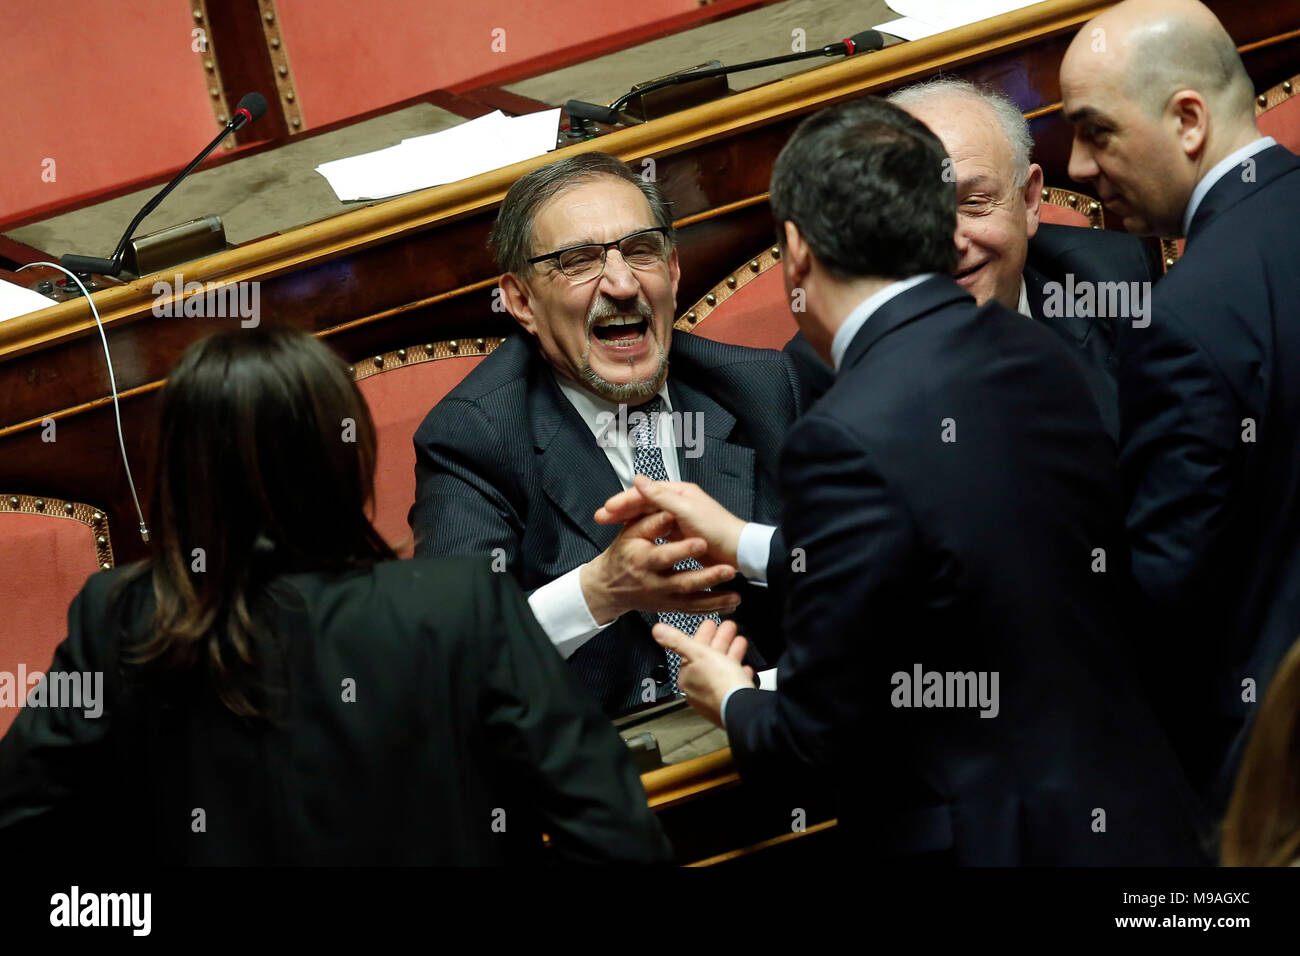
[505,461]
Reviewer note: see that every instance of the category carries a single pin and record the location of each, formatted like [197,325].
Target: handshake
[635,573]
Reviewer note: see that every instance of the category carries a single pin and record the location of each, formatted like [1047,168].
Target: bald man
[1003,252]
[1164,131]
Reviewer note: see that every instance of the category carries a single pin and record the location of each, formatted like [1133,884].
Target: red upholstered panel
[757,314]
[1062,216]
[44,562]
[399,399]
[1282,122]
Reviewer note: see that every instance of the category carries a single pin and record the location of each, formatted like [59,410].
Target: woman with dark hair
[277,689]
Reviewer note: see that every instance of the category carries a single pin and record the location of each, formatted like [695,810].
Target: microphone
[868,41]
[251,107]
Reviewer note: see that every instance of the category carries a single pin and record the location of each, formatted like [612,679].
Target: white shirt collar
[1220,170]
[858,317]
[1023,306]
[591,406]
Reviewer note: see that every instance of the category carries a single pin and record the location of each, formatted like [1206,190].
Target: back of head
[869,188]
[265,465]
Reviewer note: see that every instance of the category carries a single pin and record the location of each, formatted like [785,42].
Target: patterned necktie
[648,460]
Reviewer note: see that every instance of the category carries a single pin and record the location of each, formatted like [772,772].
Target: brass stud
[13,502]
[106,566]
[428,349]
[1046,195]
[711,299]
[1096,225]
[379,361]
[221,118]
[1169,263]
[1093,207]
[270,17]
[454,345]
[101,540]
[283,70]
[753,265]
[401,354]
[352,370]
[97,517]
[289,96]
[731,282]
[1262,100]
[1286,87]
[297,121]
[40,504]
[1072,199]
[275,43]
[209,65]
[690,317]
[198,14]
[478,342]
[213,92]
[68,508]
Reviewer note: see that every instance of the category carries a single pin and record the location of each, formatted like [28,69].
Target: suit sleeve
[554,740]
[857,545]
[1181,445]
[462,477]
[53,755]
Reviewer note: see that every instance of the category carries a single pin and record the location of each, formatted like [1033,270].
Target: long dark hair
[265,465]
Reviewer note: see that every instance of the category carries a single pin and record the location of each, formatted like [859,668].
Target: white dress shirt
[1023,305]
[1217,172]
[559,606]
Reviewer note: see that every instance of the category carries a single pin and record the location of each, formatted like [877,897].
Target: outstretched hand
[697,515]
[711,664]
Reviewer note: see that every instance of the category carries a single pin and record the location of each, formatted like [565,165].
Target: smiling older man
[594,391]
[1003,252]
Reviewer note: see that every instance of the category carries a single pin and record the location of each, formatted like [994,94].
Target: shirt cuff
[753,550]
[562,612]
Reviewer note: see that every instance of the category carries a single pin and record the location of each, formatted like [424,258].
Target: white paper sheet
[923,18]
[16,300]
[478,146]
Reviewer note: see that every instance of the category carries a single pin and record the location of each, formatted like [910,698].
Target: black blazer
[949,493]
[466,738]
[505,461]
[1055,252]
[1210,457]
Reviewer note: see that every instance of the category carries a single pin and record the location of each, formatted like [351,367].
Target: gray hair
[1014,125]
[511,238]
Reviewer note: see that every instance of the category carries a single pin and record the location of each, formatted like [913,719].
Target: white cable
[112,382]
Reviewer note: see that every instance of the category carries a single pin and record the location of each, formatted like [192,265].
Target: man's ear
[1190,118]
[518,301]
[796,257]
[675,274]
[1033,198]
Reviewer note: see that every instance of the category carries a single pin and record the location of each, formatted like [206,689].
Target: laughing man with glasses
[516,460]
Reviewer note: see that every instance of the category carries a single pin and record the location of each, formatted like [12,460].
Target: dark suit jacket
[505,461]
[975,554]
[1055,252]
[1210,457]
[463,715]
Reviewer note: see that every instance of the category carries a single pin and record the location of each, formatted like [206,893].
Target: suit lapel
[575,472]
[704,454]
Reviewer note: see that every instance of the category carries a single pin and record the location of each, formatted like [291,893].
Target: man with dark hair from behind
[949,552]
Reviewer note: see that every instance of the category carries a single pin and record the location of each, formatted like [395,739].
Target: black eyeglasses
[641,250]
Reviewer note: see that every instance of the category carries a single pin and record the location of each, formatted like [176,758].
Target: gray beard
[631,393]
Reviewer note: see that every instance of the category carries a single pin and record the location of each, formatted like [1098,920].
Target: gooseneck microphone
[251,107]
[868,41]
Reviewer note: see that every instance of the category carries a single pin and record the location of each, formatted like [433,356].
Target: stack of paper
[469,149]
[923,18]
[16,300]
